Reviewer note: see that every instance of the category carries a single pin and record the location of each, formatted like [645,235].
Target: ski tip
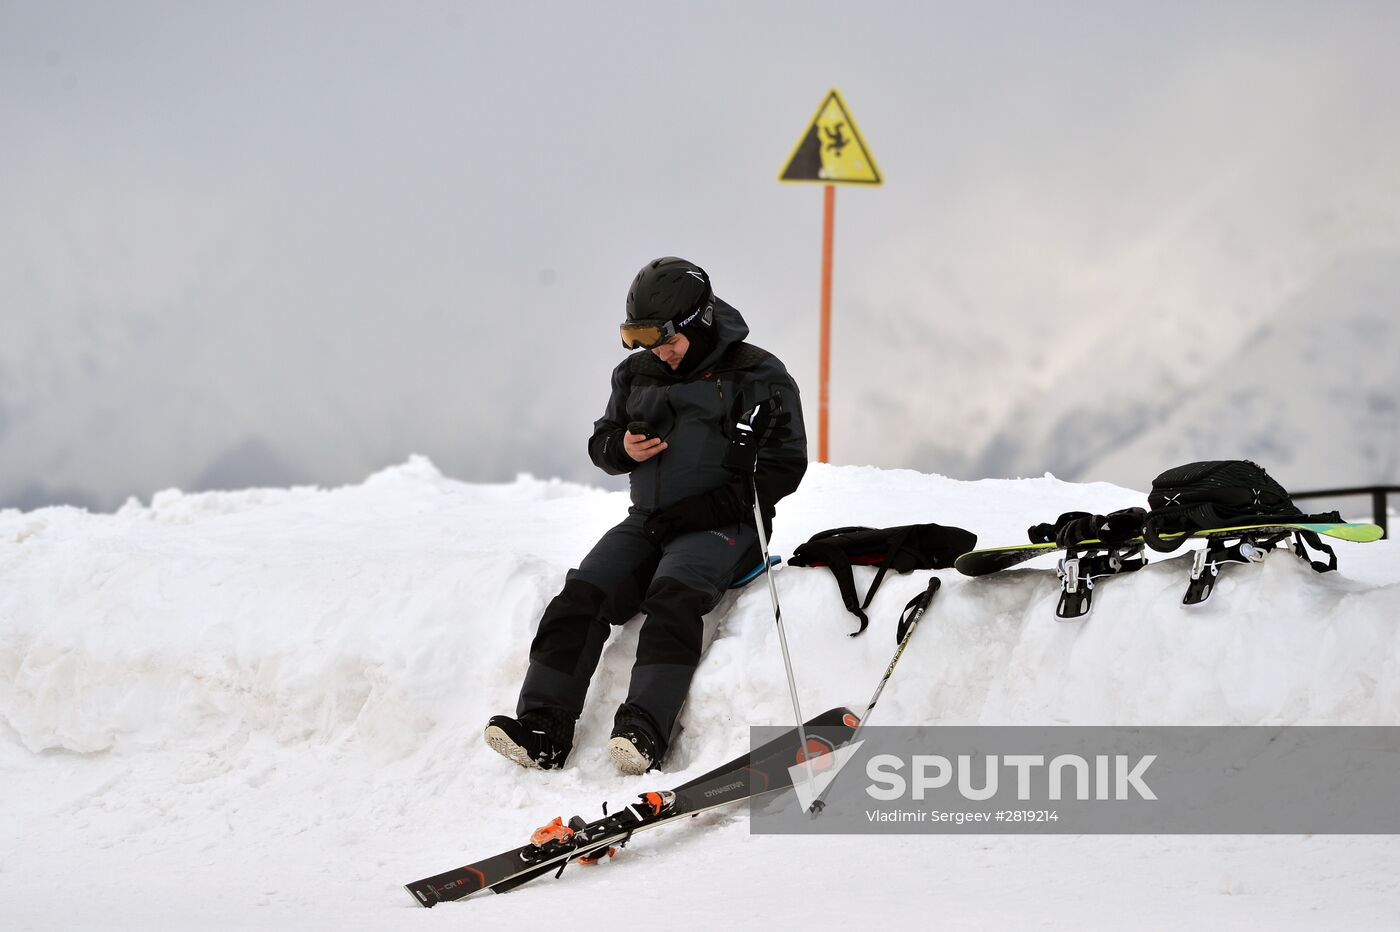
[421,897]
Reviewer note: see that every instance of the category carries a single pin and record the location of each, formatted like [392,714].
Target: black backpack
[1221,493]
[902,549]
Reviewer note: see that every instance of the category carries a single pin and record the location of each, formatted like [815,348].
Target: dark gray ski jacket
[695,415]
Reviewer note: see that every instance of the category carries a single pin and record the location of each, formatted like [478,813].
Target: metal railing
[1378,495]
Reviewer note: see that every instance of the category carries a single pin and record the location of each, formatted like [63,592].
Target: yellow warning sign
[832,150]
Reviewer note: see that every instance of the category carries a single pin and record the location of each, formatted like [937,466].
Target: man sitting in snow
[689,533]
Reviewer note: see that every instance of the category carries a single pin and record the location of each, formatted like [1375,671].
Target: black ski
[554,846]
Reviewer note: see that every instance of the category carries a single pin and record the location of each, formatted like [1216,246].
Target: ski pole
[750,435]
[908,621]
[782,635]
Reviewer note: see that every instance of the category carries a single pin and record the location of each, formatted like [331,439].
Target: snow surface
[263,709]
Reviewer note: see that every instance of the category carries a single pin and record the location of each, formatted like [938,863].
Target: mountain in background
[1313,393]
[1079,359]
[1309,389]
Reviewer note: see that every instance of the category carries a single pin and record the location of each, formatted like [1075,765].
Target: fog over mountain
[1314,391]
[1291,249]
[268,245]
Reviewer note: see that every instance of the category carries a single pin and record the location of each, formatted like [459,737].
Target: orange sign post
[830,152]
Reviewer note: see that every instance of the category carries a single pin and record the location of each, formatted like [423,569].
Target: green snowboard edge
[995,559]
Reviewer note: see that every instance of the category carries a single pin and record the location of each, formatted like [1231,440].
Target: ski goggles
[647,333]
[650,334]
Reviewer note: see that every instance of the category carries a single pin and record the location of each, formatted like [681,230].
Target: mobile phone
[643,428]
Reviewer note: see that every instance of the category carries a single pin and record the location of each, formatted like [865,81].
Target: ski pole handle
[915,610]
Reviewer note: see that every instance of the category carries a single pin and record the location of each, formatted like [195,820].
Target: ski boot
[632,747]
[540,739]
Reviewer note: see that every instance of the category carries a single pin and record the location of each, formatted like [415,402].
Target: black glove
[725,505]
[754,429]
[1116,527]
[1049,532]
[1073,527]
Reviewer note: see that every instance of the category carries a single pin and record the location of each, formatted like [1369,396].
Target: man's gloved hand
[725,505]
[754,429]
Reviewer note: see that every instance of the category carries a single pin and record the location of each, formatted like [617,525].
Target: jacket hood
[729,328]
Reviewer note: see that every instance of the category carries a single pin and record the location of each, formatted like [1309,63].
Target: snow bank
[285,689]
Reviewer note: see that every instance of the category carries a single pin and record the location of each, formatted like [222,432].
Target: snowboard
[1089,560]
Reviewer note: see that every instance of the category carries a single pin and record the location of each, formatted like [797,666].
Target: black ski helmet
[671,289]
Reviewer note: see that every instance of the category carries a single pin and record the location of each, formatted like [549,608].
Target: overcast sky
[247,243]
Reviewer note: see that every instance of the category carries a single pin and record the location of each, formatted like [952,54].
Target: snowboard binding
[1250,548]
[1082,565]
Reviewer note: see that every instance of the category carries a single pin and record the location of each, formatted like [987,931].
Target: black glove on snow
[725,505]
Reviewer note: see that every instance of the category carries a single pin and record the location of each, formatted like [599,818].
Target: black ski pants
[625,572]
